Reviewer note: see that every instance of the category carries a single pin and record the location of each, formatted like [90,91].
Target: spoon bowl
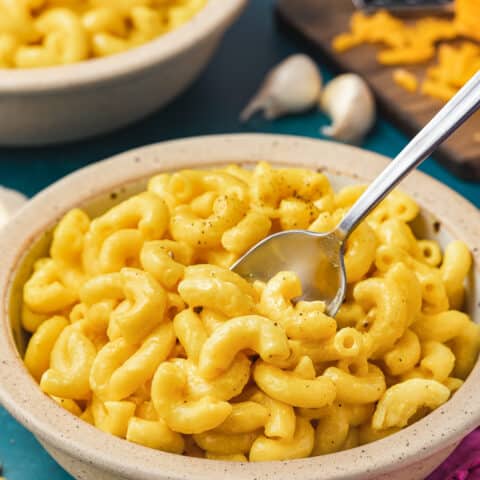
[317,258]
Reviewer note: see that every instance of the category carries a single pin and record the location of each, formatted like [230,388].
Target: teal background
[211,106]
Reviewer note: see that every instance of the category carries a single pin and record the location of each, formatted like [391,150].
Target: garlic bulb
[348,101]
[10,202]
[292,86]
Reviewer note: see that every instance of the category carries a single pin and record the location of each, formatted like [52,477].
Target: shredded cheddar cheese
[455,66]
[405,79]
[405,43]
[406,55]
[416,43]
[437,90]
[467,15]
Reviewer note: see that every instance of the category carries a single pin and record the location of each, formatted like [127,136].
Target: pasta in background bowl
[423,444]
[66,99]
[37,34]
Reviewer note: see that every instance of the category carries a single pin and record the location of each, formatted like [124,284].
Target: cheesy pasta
[139,327]
[43,33]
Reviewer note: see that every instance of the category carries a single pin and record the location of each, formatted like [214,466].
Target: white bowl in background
[43,106]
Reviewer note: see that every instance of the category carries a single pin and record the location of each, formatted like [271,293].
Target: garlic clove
[10,202]
[293,86]
[349,102]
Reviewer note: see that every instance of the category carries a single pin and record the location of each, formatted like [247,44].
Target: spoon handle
[440,127]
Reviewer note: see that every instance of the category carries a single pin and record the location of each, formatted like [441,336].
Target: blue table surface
[211,106]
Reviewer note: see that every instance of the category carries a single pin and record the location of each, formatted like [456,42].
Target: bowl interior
[425,226]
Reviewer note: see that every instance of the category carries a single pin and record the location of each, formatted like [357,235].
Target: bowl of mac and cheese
[74,69]
[132,351]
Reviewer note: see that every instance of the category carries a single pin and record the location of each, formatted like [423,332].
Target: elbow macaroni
[139,327]
[42,34]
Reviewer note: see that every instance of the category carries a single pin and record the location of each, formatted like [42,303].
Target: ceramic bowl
[88,453]
[65,103]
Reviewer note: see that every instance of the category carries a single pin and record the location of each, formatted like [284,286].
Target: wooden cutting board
[320,20]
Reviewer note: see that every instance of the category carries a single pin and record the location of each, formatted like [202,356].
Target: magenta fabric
[463,463]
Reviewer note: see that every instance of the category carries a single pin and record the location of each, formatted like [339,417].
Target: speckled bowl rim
[22,398]
[216,15]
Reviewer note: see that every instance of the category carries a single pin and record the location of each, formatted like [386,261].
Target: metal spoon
[317,258]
